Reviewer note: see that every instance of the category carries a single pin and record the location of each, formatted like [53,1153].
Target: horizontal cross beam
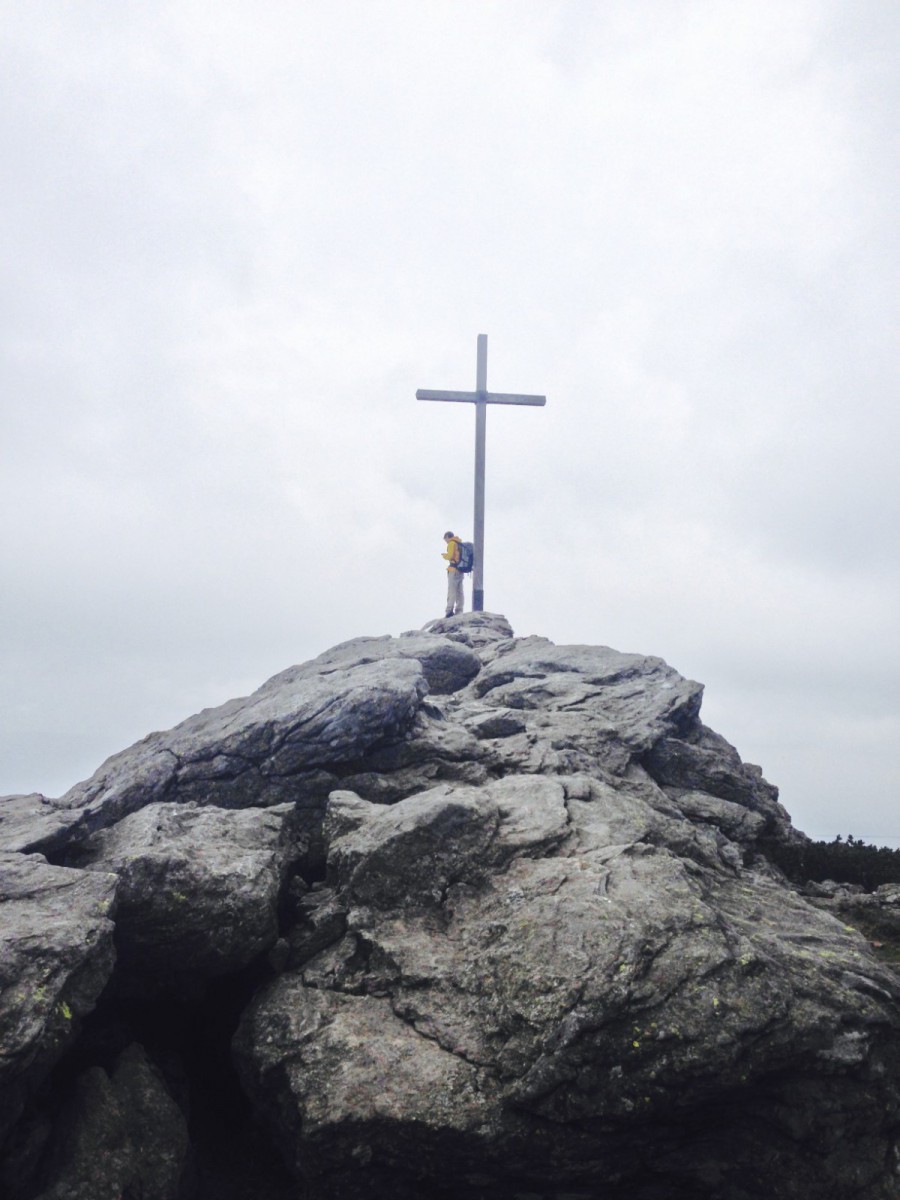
[480,397]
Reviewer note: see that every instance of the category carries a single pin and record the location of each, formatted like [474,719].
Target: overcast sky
[237,235]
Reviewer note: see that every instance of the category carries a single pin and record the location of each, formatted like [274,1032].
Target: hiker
[455,600]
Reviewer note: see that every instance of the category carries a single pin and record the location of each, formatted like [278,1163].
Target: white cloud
[237,238]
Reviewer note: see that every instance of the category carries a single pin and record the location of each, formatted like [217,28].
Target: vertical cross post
[480,455]
[481,398]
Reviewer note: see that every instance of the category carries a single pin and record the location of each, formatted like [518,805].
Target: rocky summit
[451,915]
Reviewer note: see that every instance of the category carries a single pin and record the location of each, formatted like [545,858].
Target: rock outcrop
[485,916]
[57,956]
[198,887]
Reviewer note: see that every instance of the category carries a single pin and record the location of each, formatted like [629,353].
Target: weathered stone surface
[496,723]
[435,748]
[56,936]
[641,699]
[198,886]
[412,852]
[703,760]
[447,664]
[528,995]
[580,707]
[361,1063]
[742,825]
[479,630]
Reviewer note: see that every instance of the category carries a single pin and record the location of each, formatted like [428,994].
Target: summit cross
[481,398]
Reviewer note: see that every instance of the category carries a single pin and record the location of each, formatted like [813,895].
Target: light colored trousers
[455,600]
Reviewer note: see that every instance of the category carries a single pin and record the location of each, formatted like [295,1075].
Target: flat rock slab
[245,753]
[641,699]
[34,822]
[447,664]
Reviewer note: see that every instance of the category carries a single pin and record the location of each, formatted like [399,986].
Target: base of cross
[478,600]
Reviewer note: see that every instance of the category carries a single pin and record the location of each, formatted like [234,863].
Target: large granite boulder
[492,917]
[199,887]
[533,993]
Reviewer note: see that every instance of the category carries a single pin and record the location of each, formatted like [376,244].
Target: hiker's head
[448,535]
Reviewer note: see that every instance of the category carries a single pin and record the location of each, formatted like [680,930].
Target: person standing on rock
[455,599]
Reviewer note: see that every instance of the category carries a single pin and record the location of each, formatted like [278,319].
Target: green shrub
[850,861]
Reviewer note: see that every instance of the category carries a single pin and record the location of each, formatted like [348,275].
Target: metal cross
[481,398]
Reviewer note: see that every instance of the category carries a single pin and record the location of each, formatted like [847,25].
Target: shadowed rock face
[493,917]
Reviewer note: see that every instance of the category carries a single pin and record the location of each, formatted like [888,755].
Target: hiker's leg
[455,600]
